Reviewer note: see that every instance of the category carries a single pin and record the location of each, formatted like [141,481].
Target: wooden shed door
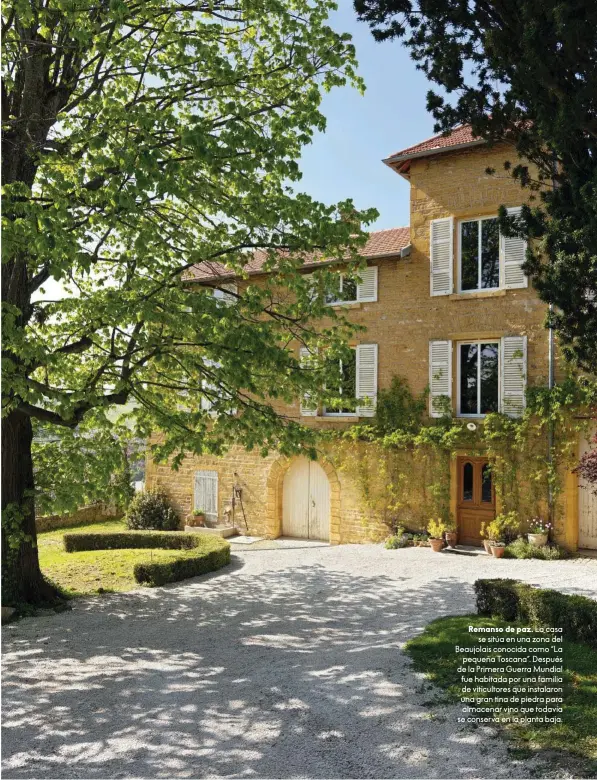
[306,501]
[476,499]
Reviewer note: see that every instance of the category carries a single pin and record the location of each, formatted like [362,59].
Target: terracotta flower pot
[487,545]
[436,544]
[498,552]
[196,521]
[537,540]
[451,538]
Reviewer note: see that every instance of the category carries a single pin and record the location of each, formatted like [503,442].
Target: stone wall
[95,513]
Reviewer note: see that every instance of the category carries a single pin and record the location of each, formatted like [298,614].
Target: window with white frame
[479,254]
[478,378]
[486,258]
[347,390]
[345,293]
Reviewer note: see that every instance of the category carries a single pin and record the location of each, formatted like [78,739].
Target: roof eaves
[390,161]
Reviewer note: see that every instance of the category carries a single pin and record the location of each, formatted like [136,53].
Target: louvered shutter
[440,375]
[366,379]
[227,292]
[441,254]
[367,287]
[308,407]
[514,374]
[206,493]
[513,252]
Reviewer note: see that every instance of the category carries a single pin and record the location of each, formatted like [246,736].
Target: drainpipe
[551,374]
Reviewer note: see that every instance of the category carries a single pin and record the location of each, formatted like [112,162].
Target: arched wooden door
[306,501]
[476,499]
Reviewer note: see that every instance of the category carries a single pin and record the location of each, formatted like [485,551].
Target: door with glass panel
[476,499]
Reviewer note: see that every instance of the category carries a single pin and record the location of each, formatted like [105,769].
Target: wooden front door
[476,499]
[306,501]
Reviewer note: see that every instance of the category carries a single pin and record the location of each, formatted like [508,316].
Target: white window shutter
[440,375]
[441,253]
[367,287]
[366,379]
[308,407]
[227,292]
[514,375]
[206,493]
[513,252]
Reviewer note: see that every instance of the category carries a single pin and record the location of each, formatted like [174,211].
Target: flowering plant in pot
[436,529]
[538,532]
[502,528]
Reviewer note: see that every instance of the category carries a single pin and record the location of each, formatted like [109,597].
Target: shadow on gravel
[284,674]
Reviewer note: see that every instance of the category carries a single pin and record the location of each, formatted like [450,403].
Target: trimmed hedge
[194,558]
[154,573]
[122,540]
[516,601]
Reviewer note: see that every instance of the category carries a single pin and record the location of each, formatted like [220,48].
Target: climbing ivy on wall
[401,461]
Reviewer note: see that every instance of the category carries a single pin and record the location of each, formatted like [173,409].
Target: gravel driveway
[286,664]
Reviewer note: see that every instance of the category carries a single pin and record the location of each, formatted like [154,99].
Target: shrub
[159,573]
[520,548]
[123,540]
[397,540]
[512,600]
[152,510]
[198,554]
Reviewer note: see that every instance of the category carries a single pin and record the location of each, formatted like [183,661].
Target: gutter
[389,161]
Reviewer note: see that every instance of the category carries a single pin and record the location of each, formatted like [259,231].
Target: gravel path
[286,664]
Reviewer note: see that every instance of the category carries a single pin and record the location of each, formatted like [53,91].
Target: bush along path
[569,746]
[108,558]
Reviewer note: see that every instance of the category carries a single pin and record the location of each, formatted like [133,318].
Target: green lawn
[574,741]
[99,571]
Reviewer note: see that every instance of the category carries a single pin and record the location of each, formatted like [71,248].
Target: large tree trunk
[22,580]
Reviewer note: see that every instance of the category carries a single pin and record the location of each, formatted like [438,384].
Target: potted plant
[538,532]
[451,534]
[197,518]
[485,537]
[436,530]
[502,528]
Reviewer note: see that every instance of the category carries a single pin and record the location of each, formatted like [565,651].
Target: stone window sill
[476,295]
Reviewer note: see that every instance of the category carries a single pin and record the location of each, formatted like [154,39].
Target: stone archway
[275,483]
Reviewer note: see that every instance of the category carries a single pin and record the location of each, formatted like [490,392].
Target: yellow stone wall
[402,322]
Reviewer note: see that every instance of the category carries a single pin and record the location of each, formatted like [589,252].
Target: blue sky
[345,161]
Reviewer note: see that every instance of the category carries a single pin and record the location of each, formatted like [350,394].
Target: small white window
[352,291]
[346,293]
[226,292]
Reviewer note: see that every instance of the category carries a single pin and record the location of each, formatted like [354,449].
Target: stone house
[445,305]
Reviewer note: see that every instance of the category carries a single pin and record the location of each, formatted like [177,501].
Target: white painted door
[587,509]
[306,501]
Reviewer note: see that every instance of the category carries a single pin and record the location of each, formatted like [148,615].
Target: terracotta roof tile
[460,135]
[381,243]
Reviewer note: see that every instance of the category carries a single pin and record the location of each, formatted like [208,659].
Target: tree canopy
[524,72]
[141,139]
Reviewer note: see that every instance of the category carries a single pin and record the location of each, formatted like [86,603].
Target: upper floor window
[346,293]
[485,258]
[347,390]
[479,378]
[479,245]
